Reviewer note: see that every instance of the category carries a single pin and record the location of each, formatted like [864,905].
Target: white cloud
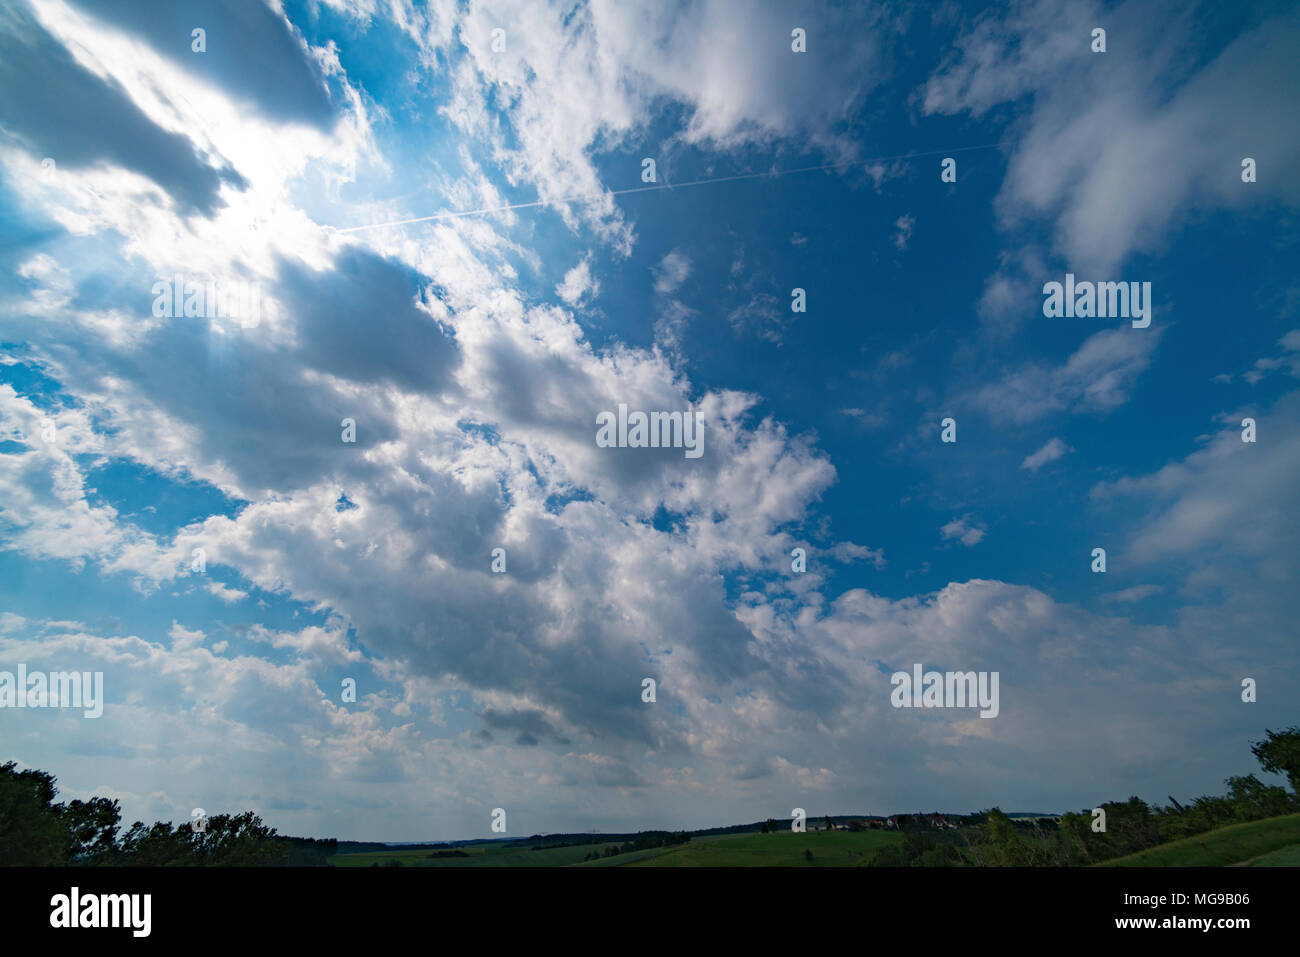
[578,284]
[184,638]
[965,530]
[871,420]
[1052,450]
[227,595]
[671,272]
[1227,500]
[483,437]
[575,80]
[1288,360]
[1097,378]
[903,231]
[848,552]
[1119,149]
[1131,596]
[329,645]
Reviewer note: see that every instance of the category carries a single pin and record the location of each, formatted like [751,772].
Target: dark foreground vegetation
[37,832]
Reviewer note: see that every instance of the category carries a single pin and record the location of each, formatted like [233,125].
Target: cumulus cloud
[227,595]
[571,80]
[578,284]
[848,552]
[474,412]
[474,396]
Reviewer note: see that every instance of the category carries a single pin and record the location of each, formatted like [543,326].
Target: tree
[92,830]
[157,845]
[1279,753]
[239,840]
[1003,844]
[34,831]
[31,832]
[1076,837]
[1253,799]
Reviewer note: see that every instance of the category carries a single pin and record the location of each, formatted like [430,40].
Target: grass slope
[480,855]
[623,860]
[1286,857]
[782,849]
[1274,842]
[1227,845]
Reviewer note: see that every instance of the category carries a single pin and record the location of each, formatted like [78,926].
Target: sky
[457,247]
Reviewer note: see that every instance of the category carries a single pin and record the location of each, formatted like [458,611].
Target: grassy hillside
[1273,842]
[782,849]
[1286,857]
[631,857]
[480,855]
[1227,845]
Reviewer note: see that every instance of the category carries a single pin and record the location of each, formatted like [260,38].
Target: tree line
[37,831]
[992,838]
[641,842]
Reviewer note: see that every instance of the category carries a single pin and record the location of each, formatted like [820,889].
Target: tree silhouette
[35,831]
[1279,753]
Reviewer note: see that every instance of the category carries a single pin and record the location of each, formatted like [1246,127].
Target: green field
[1274,842]
[782,849]
[480,855]
[1228,845]
[1286,857]
[625,860]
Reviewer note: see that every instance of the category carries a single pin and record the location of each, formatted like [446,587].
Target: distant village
[893,823]
[911,822]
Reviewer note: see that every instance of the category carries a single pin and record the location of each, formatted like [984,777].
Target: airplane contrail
[655,187]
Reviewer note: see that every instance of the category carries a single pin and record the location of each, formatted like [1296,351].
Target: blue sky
[474,352]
